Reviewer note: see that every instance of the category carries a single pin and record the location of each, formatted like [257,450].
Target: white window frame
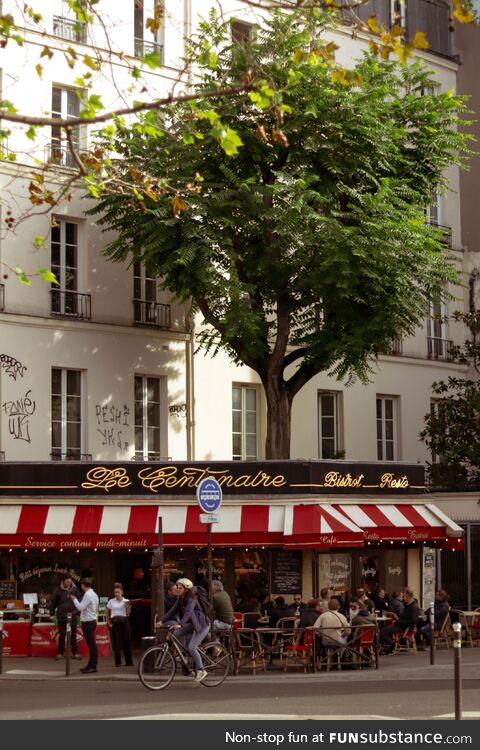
[395,7]
[78,134]
[64,424]
[383,440]
[244,387]
[246,25]
[162,421]
[148,40]
[336,421]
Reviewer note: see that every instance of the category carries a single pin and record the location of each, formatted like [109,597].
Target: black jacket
[278,613]
[309,617]
[410,615]
[62,604]
[396,606]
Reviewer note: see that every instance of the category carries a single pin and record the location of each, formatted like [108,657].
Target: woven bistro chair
[301,651]
[249,650]
[442,634]
[288,634]
[405,641]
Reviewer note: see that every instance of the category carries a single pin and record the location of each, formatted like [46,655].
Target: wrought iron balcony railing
[447,234]
[151,314]
[439,348]
[58,152]
[69,304]
[74,31]
[73,455]
[142,48]
[150,457]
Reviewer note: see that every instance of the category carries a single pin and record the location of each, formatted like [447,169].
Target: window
[386,424]
[242,32]
[65,104]
[65,23]
[244,423]
[144,9]
[328,421]
[146,309]
[438,346]
[148,400]
[66,299]
[67,428]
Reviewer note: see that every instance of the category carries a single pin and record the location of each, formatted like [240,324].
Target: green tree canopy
[306,249]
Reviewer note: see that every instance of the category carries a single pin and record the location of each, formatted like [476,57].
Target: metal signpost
[209,497]
[68,644]
[457,650]
[158,598]
[432,632]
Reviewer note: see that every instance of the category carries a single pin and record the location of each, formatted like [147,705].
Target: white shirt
[88,607]
[118,608]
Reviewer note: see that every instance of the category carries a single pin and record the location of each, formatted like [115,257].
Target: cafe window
[244,423]
[328,424]
[386,427]
[148,408]
[65,106]
[67,422]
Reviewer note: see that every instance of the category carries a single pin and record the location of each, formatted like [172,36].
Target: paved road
[297,697]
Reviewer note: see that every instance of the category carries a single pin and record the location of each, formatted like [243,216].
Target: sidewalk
[403,667]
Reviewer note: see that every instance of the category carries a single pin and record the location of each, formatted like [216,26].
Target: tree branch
[74,152]
[304,373]
[292,357]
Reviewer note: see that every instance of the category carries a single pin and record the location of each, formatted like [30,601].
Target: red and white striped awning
[291,524]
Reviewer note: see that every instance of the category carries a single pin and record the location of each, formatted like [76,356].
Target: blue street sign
[209,495]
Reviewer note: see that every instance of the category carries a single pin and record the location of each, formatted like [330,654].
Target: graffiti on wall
[19,412]
[12,366]
[110,423]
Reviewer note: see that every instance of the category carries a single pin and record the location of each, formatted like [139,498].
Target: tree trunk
[279,415]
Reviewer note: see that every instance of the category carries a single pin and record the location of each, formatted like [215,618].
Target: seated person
[280,610]
[333,626]
[395,603]
[311,613]
[408,619]
[361,615]
[380,600]
[441,609]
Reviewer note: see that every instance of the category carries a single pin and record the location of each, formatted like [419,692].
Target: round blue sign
[209,495]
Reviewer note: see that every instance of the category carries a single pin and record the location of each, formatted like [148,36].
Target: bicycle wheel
[216,662]
[156,668]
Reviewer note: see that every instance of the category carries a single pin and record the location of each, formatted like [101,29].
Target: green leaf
[31,133]
[230,141]
[39,242]
[48,276]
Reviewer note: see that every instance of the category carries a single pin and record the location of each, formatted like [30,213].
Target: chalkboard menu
[8,590]
[286,572]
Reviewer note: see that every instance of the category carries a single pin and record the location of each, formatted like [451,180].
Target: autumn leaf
[404,51]
[247,77]
[153,24]
[39,69]
[178,206]
[261,134]
[46,52]
[372,24]
[462,14]
[397,30]
[420,40]
[280,137]
[90,63]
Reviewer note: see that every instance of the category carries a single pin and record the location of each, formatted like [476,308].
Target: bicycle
[158,664]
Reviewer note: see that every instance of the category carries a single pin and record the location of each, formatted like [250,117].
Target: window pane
[56,100]
[73,435]
[138,388]
[56,435]
[379,429]
[153,415]
[379,408]
[73,103]
[328,427]
[237,398]
[138,413]
[251,421]
[389,451]
[237,445]
[56,380]
[70,233]
[252,445]
[73,409]
[251,399]
[154,439]
[328,405]
[388,408]
[379,450]
[328,448]
[153,389]
[389,430]
[73,382]
[139,439]
[236,421]
[56,407]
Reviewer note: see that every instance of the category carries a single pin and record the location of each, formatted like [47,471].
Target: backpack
[204,603]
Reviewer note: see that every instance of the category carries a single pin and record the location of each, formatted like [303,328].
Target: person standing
[118,612]
[61,605]
[222,607]
[88,609]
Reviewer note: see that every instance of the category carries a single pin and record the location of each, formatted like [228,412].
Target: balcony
[2,297]
[73,31]
[57,455]
[69,304]
[142,48]
[150,457]
[447,234]
[58,152]
[151,314]
[439,348]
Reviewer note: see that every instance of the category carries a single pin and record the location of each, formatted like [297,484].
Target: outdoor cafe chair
[405,641]
[237,620]
[442,634]
[249,650]
[287,635]
[301,650]
[459,615]
[365,645]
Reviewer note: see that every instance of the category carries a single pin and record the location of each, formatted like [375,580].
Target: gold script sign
[170,477]
[336,479]
[102,478]
[393,482]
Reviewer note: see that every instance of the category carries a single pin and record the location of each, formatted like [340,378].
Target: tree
[308,249]
[452,429]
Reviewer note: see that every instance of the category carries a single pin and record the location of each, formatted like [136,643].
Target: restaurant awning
[290,524]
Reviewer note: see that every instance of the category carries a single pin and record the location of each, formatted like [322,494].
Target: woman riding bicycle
[193,622]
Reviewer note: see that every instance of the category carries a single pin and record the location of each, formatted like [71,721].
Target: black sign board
[241,478]
[286,572]
[8,590]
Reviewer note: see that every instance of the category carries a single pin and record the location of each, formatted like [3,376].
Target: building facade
[101,370]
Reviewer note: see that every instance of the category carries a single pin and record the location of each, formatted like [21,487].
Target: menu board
[335,571]
[286,572]
[8,590]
